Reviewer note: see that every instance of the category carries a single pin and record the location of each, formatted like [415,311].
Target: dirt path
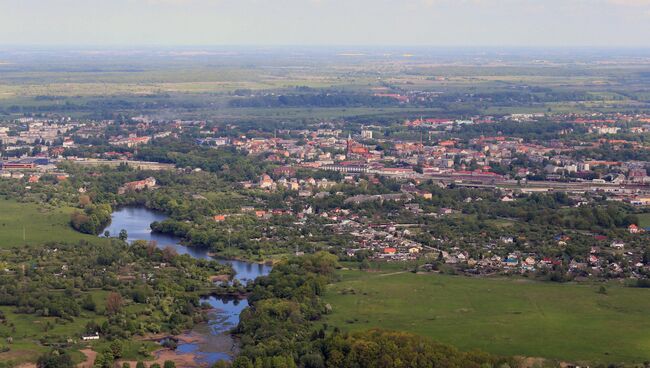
[26,365]
[392,273]
[90,358]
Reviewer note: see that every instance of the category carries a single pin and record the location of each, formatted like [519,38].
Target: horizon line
[332,45]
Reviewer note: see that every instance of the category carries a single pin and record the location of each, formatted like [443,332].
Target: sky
[536,23]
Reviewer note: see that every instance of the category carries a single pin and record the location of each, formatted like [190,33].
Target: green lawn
[29,223]
[644,220]
[507,317]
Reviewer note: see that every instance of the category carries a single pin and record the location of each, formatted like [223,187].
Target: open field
[28,223]
[644,220]
[201,85]
[508,317]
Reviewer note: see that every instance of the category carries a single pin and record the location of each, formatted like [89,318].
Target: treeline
[538,130]
[277,330]
[323,99]
[346,99]
[103,107]
[233,165]
[608,153]
[378,348]
[556,209]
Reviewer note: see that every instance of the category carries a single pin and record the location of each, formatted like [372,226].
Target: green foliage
[226,161]
[377,348]
[116,349]
[277,329]
[93,219]
[58,292]
[55,359]
[282,304]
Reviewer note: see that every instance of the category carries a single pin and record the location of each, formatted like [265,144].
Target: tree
[84,200]
[242,362]
[169,253]
[126,365]
[364,265]
[88,303]
[169,364]
[116,349]
[139,364]
[114,303]
[55,359]
[123,235]
[104,360]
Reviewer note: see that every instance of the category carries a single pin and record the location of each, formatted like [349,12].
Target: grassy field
[644,220]
[508,317]
[29,223]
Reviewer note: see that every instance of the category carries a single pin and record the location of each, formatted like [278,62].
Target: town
[325,184]
[406,161]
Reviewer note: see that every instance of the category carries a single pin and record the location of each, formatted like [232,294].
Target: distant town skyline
[536,23]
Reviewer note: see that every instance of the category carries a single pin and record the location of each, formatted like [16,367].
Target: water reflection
[136,221]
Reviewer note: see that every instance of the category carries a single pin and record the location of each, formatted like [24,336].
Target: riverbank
[224,257]
[184,355]
[211,341]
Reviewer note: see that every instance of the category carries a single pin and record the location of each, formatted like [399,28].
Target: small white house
[617,244]
[90,337]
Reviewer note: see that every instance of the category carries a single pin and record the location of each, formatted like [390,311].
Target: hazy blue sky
[340,22]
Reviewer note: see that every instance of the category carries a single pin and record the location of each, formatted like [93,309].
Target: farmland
[508,317]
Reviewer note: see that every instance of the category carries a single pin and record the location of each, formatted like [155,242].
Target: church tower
[349,143]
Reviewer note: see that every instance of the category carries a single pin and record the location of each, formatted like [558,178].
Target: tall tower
[349,143]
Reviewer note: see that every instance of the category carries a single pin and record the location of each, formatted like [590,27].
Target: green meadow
[644,220]
[502,316]
[30,223]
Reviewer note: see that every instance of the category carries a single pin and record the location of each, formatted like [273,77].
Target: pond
[217,343]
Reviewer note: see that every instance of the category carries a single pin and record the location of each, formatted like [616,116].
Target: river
[218,344]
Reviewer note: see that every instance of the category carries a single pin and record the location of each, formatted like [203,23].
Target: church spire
[349,143]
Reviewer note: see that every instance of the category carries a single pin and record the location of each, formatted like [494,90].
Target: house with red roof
[633,229]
